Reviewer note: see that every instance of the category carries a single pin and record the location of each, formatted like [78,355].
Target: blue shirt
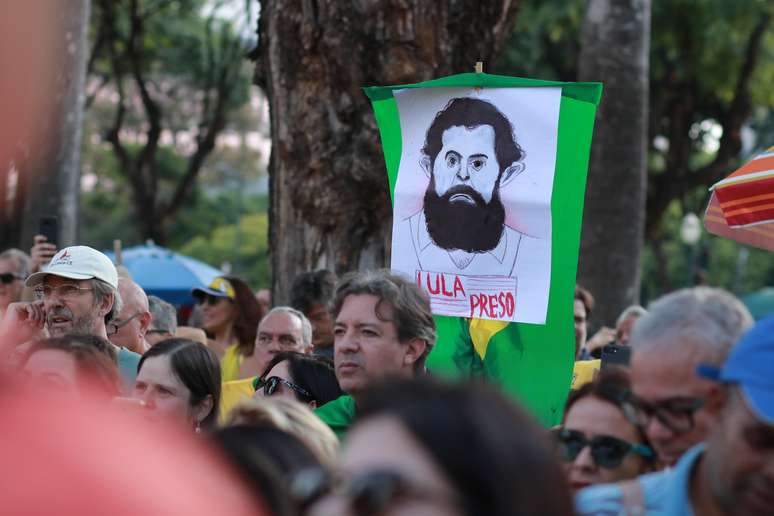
[664,493]
[127,368]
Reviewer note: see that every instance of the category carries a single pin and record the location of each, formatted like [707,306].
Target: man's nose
[274,346]
[658,431]
[463,174]
[347,343]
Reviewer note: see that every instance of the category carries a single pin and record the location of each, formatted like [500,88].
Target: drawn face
[467,157]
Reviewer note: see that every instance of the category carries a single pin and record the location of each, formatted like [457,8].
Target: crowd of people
[326,407]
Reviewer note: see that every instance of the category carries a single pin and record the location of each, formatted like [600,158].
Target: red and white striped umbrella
[742,205]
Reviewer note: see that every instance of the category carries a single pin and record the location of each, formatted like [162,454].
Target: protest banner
[487,177]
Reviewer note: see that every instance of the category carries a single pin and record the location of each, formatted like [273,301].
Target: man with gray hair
[77,293]
[163,320]
[282,329]
[14,269]
[680,331]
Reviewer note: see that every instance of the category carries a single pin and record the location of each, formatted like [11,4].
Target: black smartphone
[614,355]
[49,228]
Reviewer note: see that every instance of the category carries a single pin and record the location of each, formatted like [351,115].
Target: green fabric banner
[533,362]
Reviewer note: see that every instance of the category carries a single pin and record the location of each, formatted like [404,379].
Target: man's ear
[516,168]
[415,348]
[106,305]
[145,322]
[426,165]
[202,409]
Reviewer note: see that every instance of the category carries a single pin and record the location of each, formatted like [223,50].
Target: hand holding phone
[41,253]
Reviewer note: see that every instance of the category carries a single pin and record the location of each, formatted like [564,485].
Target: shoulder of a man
[338,414]
[608,499]
[127,361]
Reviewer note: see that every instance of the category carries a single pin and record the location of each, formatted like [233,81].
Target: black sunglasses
[366,494]
[271,383]
[8,277]
[607,451]
[210,300]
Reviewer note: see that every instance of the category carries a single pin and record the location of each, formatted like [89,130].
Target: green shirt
[338,414]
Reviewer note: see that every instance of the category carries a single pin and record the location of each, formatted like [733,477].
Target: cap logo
[62,258]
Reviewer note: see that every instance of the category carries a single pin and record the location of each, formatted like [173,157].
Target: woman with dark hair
[179,379]
[424,447]
[270,460]
[230,316]
[73,363]
[305,378]
[600,441]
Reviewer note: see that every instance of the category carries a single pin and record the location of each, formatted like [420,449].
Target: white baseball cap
[78,262]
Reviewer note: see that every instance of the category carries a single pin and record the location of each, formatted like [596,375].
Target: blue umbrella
[165,273]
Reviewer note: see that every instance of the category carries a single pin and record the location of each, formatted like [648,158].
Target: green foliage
[718,261]
[697,49]
[243,245]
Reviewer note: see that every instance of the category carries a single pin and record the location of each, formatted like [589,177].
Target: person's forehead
[578,308]
[51,279]
[361,309]
[280,322]
[469,140]
[595,416]
[8,265]
[382,442]
[658,374]
[157,370]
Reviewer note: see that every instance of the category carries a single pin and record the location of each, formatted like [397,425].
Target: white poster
[472,211]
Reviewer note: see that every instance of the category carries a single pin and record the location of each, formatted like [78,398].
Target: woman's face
[217,316]
[53,370]
[165,397]
[381,453]
[595,417]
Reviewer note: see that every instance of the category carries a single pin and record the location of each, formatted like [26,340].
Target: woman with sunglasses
[424,447]
[230,316]
[305,378]
[599,440]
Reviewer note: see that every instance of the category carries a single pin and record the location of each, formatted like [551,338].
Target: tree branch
[152,109]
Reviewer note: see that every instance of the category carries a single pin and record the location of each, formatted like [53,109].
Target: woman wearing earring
[230,316]
[179,379]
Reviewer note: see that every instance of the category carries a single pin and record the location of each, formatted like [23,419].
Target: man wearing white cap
[79,294]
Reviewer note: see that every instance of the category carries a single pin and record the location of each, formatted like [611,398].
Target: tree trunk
[54,175]
[328,185]
[615,45]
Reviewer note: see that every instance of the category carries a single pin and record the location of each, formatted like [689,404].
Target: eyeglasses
[62,291]
[159,332]
[607,451]
[8,277]
[113,327]
[210,300]
[366,494]
[674,413]
[271,383]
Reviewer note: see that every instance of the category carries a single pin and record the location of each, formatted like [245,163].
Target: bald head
[132,295]
[129,327]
